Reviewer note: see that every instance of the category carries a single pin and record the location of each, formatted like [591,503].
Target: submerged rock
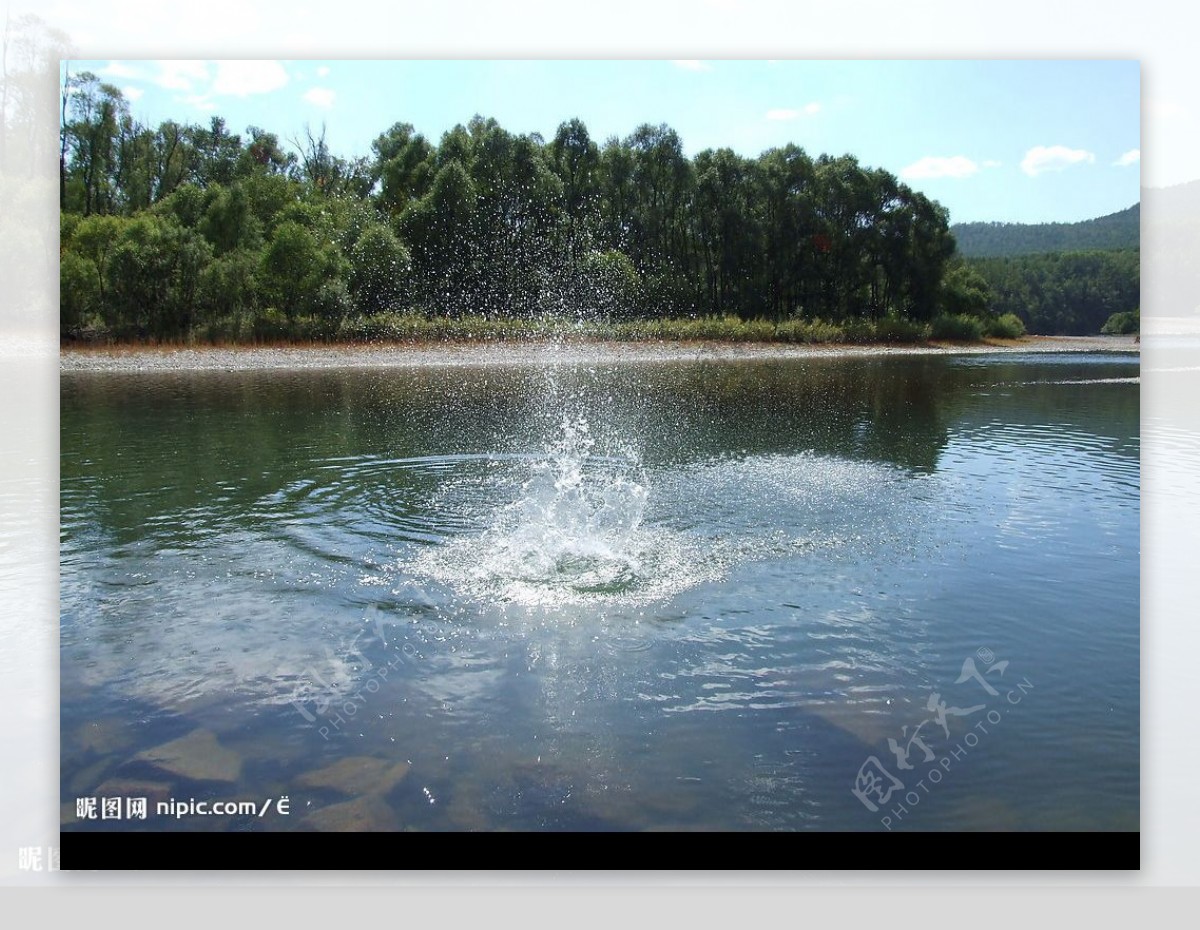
[152,791]
[358,775]
[104,736]
[197,756]
[369,814]
[87,778]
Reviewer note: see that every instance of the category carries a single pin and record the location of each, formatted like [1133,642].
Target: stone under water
[197,756]
[152,791]
[104,736]
[357,775]
[368,814]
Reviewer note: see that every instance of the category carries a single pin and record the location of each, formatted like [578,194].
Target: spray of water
[576,523]
[572,531]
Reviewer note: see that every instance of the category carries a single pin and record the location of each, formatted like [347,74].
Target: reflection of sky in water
[703,601]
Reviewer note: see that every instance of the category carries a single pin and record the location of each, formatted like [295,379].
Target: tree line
[189,230]
[1065,293]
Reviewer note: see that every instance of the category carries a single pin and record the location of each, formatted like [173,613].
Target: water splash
[573,531]
[582,522]
[577,520]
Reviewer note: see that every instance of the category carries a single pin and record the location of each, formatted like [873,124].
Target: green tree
[440,231]
[965,291]
[611,288]
[575,159]
[96,113]
[379,270]
[404,167]
[228,222]
[292,267]
[94,238]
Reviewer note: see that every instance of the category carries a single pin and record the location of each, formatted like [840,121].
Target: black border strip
[926,852]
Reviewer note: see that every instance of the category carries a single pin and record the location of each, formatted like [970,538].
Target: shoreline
[125,358]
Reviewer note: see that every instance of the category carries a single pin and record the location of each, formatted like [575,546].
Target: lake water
[679,595]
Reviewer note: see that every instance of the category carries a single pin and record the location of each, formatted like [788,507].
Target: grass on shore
[275,329]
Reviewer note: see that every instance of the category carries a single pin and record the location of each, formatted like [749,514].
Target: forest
[185,232]
[1116,232]
[1065,293]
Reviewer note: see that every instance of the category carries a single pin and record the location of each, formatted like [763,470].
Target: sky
[1014,141]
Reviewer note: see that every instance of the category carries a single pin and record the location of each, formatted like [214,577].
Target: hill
[996,240]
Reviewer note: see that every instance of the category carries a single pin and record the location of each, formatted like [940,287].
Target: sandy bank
[264,358]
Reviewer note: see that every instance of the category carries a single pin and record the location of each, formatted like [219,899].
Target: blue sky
[1022,141]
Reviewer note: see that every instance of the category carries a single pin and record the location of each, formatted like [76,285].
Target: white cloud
[320,97]
[784,113]
[119,69]
[180,75]
[243,78]
[1132,157]
[691,64]
[200,102]
[234,78]
[936,166]
[323,71]
[1043,158]
[132,93]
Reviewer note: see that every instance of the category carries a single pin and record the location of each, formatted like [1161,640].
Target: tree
[440,230]
[575,158]
[228,222]
[965,291]
[405,167]
[93,240]
[154,274]
[218,153]
[263,155]
[379,269]
[95,114]
[610,286]
[728,232]
[292,267]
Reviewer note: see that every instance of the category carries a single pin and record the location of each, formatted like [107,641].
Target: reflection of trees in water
[137,448]
[868,409]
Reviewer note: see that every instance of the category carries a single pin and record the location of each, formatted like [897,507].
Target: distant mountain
[995,240]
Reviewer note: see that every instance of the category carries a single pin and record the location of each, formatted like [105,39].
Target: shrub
[1123,324]
[79,291]
[895,330]
[809,331]
[1007,326]
[332,302]
[957,327]
[270,326]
